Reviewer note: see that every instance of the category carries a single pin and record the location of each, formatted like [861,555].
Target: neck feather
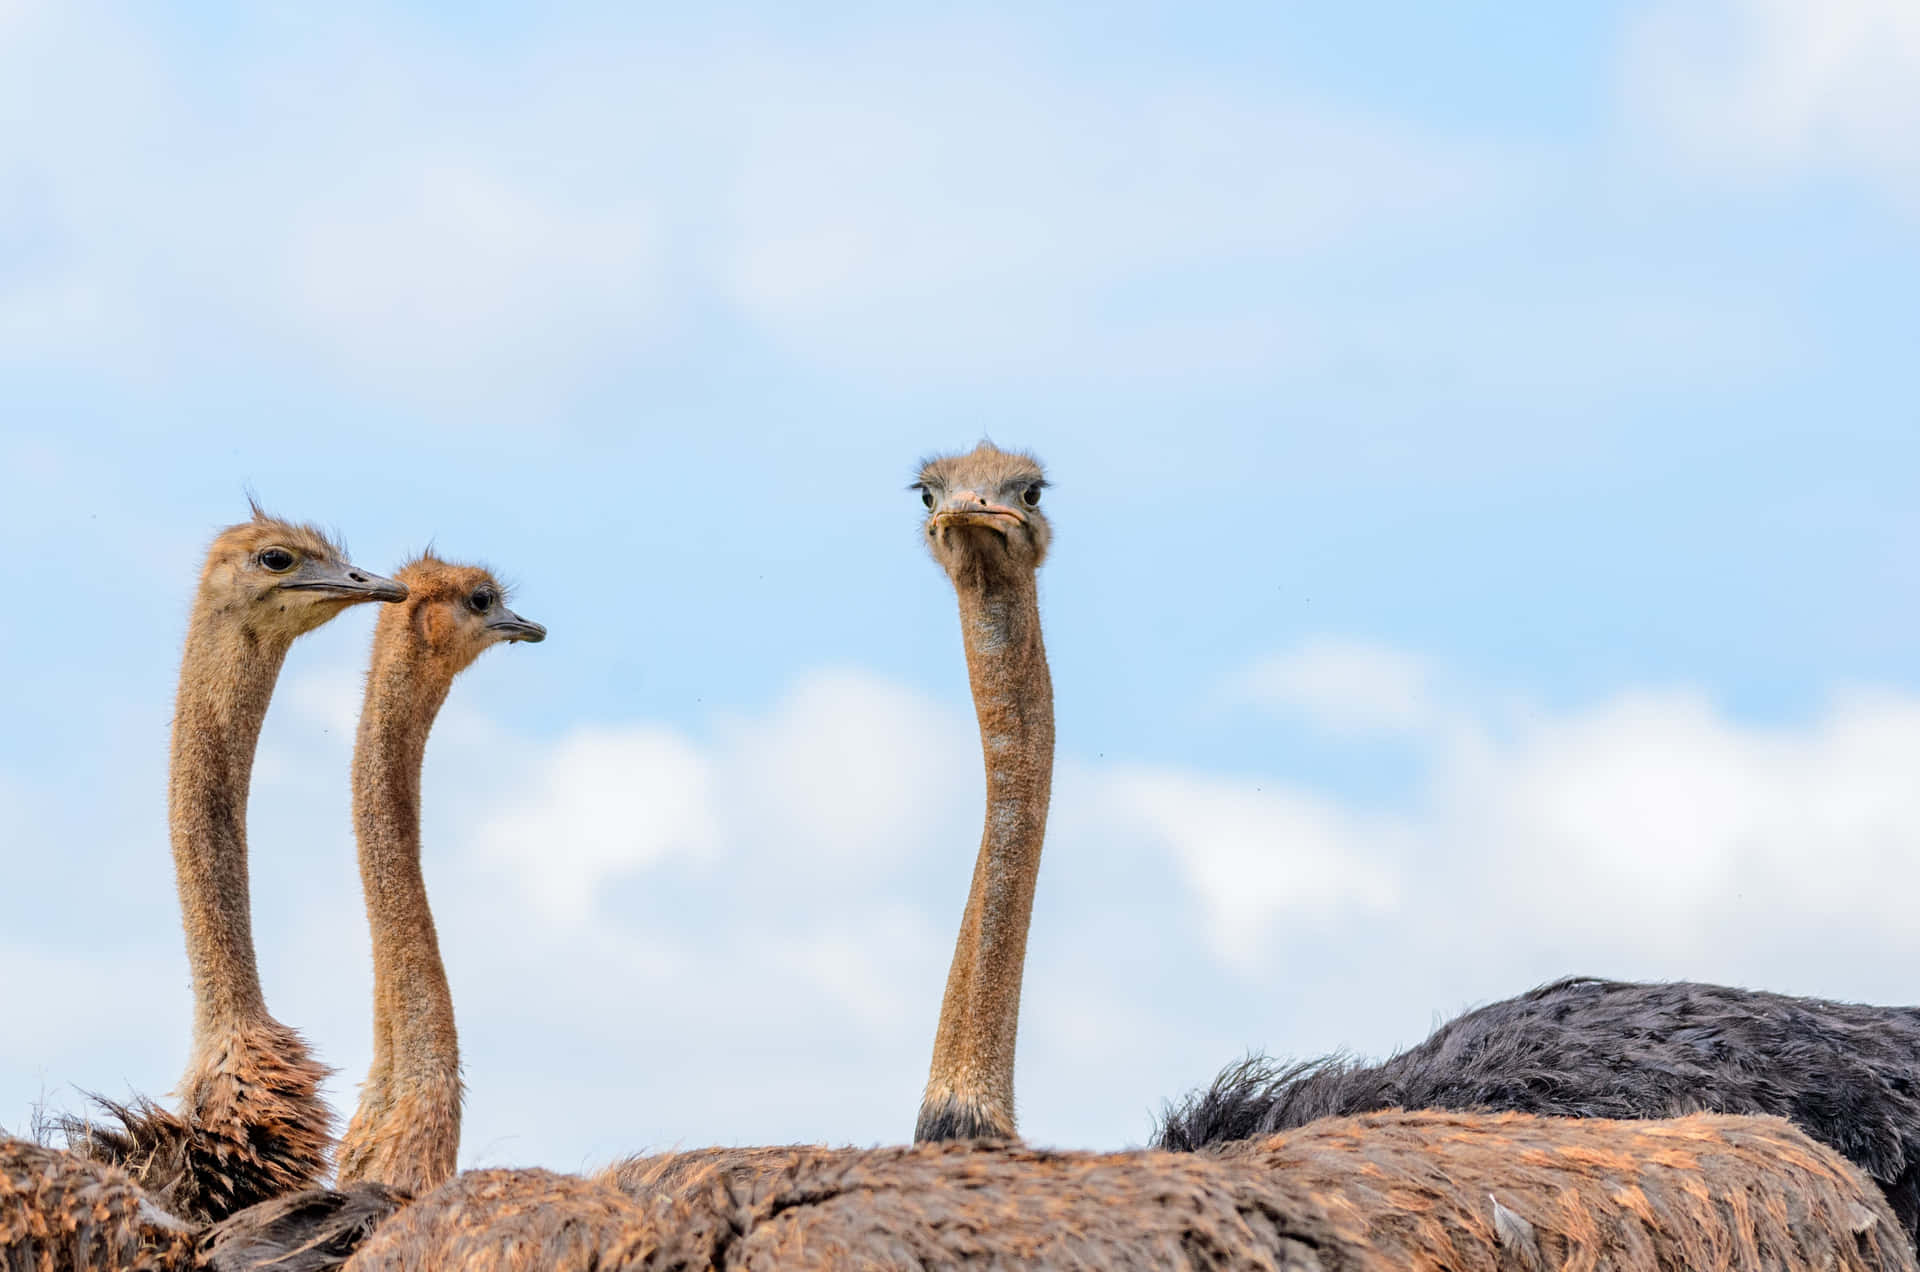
[227,676]
[416,1058]
[970,1086]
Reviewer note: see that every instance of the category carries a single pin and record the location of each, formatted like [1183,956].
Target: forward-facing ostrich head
[457,613]
[983,511]
[279,580]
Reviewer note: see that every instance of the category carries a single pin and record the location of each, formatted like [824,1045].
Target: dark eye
[279,560]
[482,601]
[1031,496]
[926,496]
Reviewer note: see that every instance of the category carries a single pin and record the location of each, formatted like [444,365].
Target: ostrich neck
[226,680]
[413,1007]
[1013,698]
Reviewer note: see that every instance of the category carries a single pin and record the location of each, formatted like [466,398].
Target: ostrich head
[281,580]
[983,511]
[457,612]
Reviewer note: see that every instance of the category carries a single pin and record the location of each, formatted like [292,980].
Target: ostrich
[1595,1048]
[1427,1190]
[404,1136]
[406,1131]
[985,528]
[251,1123]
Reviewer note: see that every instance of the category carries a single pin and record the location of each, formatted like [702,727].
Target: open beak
[510,626]
[345,581]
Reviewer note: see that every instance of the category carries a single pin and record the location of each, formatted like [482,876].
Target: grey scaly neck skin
[227,677]
[970,1085]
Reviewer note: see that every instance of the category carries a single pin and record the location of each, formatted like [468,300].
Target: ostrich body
[61,1211]
[1430,1190]
[251,1124]
[1849,1075]
[406,1131]
[1388,1191]
[985,528]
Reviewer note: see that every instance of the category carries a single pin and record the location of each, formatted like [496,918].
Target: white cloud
[1345,686]
[545,215]
[888,209]
[435,263]
[743,936]
[601,803]
[76,1001]
[1262,861]
[1656,818]
[1777,87]
[853,770]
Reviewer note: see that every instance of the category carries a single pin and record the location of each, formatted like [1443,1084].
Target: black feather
[1847,1074]
[311,1231]
[949,1119]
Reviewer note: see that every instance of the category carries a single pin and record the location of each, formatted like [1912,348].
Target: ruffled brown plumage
[64,1213]
[677,1173]
[1431,1191]
[484,1220]
[1484,1191]
[251,1127]
[925,1206]
[61,1213]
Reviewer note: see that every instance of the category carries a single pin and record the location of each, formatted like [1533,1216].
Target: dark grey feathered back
[1847,1074]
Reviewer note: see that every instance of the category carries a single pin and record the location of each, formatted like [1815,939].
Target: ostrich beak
[510,626]
[346,581]
[968,508]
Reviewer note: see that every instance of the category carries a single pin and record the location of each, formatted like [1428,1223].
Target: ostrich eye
[926,496]
[1031,496]
[279,560]
[482,601]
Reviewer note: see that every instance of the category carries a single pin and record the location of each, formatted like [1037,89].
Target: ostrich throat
[227,676]
[970,1088]
[414,1035]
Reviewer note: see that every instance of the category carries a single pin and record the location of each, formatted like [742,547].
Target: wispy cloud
[1345,686]
[741,933]
[1771,89]
[862,204]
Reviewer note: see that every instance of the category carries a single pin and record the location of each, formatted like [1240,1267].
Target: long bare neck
[226,680]
[970,1086]
[406,1131]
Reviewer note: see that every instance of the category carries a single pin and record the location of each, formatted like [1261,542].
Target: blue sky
[1486,544]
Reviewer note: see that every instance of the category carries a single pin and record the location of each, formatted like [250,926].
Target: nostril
[356,576]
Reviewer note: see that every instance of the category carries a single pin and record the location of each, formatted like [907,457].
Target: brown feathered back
[62,1212]
[1454,1191]
[1508,1190]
